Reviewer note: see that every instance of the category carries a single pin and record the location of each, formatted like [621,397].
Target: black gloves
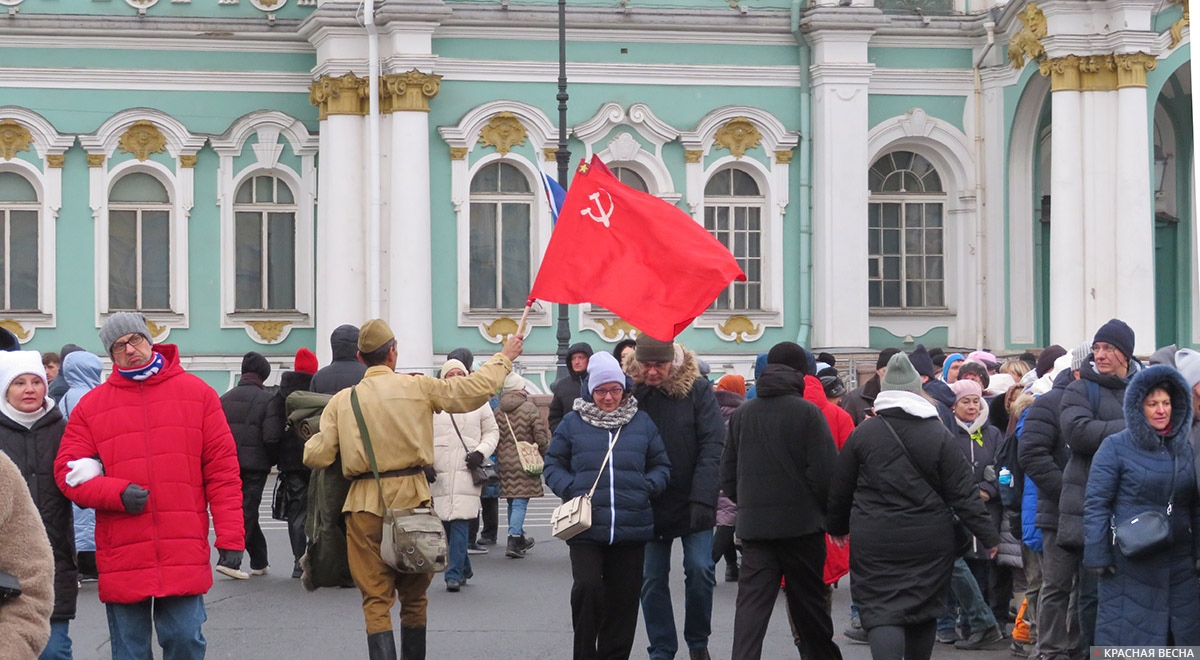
[703,516]
[134,498]
[430,473]
[229,558]
[474,460]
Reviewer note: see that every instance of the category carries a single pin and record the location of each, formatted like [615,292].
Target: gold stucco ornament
[13,138]
[142,139]
[738,135]
[503,132]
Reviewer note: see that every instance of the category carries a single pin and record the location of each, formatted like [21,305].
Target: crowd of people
[944,485]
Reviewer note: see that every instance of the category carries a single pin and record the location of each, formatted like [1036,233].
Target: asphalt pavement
[512,609]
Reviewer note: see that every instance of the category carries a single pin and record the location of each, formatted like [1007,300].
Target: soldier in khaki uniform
[398,410]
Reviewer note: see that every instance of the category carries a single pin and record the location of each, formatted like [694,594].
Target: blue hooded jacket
[82,371]
[760,363]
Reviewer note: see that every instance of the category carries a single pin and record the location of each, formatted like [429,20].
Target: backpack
[325,563]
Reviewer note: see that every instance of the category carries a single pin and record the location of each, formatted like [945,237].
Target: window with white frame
[733,212]
[906,233]
[139,244]
[19,211]
[264,245]
[502,202]
[630,178]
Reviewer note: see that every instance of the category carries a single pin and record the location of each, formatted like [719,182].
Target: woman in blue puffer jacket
[606,559]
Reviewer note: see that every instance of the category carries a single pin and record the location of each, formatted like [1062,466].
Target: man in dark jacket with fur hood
[668,386]
[777,463]
[345,370]
[566,390]
[257,433]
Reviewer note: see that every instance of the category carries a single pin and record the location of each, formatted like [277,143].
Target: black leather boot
[412,643]
[381,646]
[514,549]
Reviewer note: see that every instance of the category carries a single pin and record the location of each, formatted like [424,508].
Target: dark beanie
[68,349]
[1117,333]
[938,357]
[790,354]
[1045,361]
[827,358]
[255,363]
[885,355]
[649,349]
[463,355]
[922,362]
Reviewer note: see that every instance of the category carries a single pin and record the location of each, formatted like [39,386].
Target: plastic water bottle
[1005,477]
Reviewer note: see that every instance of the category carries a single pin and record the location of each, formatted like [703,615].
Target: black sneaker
[856,635]
[980,639]
[947,636]
[453,585]
[476,549]
[487,540]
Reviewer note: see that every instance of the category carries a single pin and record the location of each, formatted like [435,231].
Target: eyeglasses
[135,341]
[1104,348]
[608,391]
[656,366]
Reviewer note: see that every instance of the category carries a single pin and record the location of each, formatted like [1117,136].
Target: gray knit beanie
[120,324]
[901,375]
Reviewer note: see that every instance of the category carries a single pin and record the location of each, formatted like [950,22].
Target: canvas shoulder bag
[531,458]
[575,515]
[485,474]
[414,540]
[1147,532]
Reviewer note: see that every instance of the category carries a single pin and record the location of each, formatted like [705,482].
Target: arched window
[630,178]
[501,207]
[906,233]
[139,244]
[733,212]
[19,211]
[265,245]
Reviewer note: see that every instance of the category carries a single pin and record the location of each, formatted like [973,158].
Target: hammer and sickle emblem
[601,215]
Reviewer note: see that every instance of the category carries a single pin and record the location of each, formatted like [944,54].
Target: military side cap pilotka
[373,335]
[649,349]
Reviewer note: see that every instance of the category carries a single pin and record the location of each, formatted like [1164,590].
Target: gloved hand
[1104,572]
[229,558]
[134,498]
[703,516]
[83,470]
[430,473]
[474,460]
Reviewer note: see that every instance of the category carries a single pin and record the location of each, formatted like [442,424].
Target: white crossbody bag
[575,515]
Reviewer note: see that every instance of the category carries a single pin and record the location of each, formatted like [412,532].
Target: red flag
[642,258]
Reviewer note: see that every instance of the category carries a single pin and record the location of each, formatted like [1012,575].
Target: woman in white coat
[460,442]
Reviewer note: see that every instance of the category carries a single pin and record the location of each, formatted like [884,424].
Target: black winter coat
[729,402]
[778,456]
[1043,452]
[1084,429]
[34,450]
[256,431]
[687,415]
[859,401]
[637,473]
[901,530]
[980,458]
[345,370]
[291,446]
[566,390]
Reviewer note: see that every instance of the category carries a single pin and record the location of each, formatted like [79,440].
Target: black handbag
[962,536]
[1147,532]
[279,499]
[483,475]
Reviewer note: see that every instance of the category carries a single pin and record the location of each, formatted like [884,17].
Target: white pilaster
[341,284]
[1135,213]
[840,126]
[1067,237]
[409,304]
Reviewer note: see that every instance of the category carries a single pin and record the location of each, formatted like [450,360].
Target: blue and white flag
[554,195]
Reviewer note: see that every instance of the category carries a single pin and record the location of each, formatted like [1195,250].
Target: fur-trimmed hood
[1021,404]
[1181,406]
[684,373]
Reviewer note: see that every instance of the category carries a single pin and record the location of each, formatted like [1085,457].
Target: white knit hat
[15,363]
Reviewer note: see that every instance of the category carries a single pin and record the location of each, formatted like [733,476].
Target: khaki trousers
[379,583]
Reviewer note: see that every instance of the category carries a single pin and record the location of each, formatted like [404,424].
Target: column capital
[340,95]
[1097,73]
[410,91]
[1132,68]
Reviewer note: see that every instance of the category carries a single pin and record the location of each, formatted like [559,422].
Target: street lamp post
[563,159]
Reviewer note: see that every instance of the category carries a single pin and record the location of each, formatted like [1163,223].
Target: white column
[1100,221]
[341,209]
[840,126]
[1066,220]
[1135,215]
[409,304]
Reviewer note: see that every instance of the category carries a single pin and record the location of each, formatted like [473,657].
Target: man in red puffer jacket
[151,452]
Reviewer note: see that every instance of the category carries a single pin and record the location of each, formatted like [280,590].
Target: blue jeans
[177,620]
[966,591]
[516,515]
[699,578]
[59,647]
[459,563]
